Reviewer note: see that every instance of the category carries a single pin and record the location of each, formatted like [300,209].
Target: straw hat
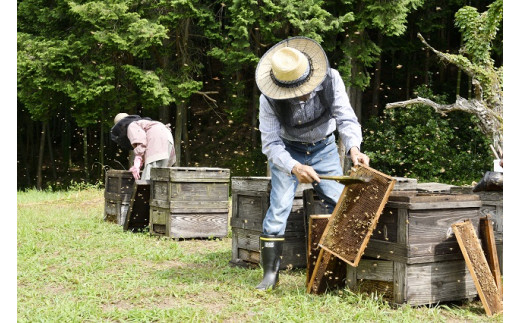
[294,67]
[120,116]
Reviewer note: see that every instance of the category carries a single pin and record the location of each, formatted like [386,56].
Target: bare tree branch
[488,119]
[205,95]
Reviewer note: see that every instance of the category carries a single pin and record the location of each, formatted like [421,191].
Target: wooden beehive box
[413,284]
[413,256]
[250,201]
[118,191]
[189,202]
[416,227]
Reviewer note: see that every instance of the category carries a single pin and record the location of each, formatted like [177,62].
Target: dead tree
[487,105]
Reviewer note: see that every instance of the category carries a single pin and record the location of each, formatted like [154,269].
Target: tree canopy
[191,63]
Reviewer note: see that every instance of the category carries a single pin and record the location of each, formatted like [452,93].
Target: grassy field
[74,267]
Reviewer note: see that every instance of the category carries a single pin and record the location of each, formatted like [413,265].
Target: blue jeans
[324,158]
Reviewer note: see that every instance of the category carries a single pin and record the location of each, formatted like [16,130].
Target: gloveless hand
[358,157]
[305,174]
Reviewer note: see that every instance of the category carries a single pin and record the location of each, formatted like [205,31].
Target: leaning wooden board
[317,223]
[478,267]
[331,269]
[490,250]
[356,215]
[329,273]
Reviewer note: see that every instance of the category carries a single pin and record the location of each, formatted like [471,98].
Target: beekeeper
[303,102]
[151,141]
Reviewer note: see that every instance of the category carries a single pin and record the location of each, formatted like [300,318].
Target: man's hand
[305,174]
[358,157]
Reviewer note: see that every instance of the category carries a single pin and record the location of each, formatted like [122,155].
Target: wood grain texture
[478,267]
[317,224]
[115,211]
[490,251]
[189,202]
[405,184]
[118,192]
[200,225]
[191,174]
[429,283]
[413,284]
[411,232]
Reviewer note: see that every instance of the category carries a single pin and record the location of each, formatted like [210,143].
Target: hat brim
[317,59]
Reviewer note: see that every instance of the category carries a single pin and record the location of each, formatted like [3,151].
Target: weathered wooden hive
[250,201]
[118,191]
[189,202]
[413,256]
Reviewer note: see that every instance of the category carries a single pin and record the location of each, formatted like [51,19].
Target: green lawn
[74,267]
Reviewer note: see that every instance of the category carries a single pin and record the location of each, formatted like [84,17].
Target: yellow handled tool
[346,179]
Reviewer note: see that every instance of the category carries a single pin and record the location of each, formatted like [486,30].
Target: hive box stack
[189,202]
[118,191]
[413,256]
[250,201]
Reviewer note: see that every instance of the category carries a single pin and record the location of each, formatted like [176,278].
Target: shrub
[417,142]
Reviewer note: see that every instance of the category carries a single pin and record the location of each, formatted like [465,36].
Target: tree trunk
[39,178]
[164,114]
[355,96]
[85,154]
[374,109]
[182,36]
[185,138]
[22,162]
[179,117]
[102,148]
[66,145]
[30,144]
[51,155]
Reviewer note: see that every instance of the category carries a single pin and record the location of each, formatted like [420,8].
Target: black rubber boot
[270,251]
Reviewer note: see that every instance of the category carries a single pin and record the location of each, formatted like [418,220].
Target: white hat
[120,116]
[294,67]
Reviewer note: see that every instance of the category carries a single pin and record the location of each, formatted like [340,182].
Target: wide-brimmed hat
[294,67]
[120,116]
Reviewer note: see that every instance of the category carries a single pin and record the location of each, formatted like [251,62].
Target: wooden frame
[350,215]
[478,267]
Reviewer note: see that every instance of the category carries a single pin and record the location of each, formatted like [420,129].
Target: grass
[74,267]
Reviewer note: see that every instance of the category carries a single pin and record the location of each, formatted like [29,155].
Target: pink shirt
[151,140]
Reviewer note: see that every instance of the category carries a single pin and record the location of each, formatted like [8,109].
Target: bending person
[151,141]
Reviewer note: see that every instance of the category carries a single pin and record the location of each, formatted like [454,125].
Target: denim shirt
[343,119]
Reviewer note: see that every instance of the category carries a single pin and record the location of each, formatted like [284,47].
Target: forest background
[191,63]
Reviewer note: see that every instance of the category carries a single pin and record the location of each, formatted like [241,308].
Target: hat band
[295,83]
